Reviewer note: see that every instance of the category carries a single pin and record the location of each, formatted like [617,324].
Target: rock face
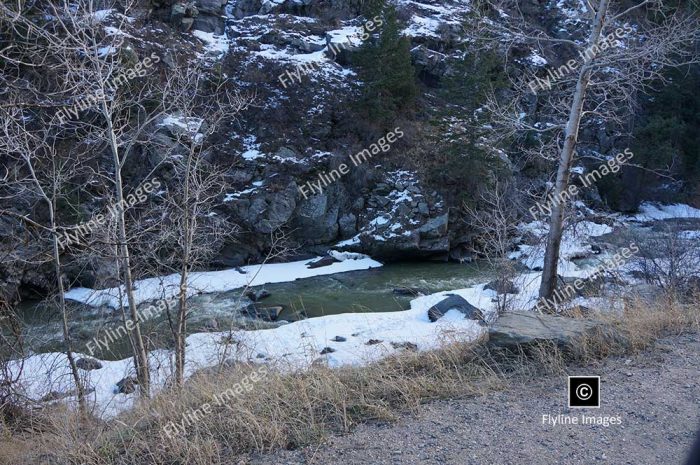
[455,302]
[526,328]
[384,207]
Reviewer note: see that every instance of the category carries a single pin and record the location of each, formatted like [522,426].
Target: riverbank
[348,338]
[655,393]
[294,415]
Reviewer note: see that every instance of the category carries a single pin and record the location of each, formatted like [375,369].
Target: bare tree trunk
[181,328]
[556,222]
[64,315]
[141,354]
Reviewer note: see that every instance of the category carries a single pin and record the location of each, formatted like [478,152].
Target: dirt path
[656,394]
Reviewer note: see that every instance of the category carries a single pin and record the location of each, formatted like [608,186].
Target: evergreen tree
[386,69]
[461,163]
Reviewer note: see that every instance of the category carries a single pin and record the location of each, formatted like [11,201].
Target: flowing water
[355,291]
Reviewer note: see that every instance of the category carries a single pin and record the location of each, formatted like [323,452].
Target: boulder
[58,395]
[263,313]
[525,328]
[257,296]
[404,345]
[455,302]
[348,225]
[502,286]
[327,350]
[214,7]
[325,261]
[88,364]
[339,339]
[126,385]
[308,44]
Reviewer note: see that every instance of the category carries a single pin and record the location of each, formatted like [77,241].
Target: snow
[422,27]
[217,281]
[347,35]
[574,244]
[348,242]
[252,148]
[427,17]
[536,59]
[189,124]
[650,211]
[106,51]
[288,347]
[100,15]
[216,46]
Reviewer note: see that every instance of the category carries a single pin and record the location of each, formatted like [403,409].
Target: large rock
[263,313]
[502,286]
[455,302]
[526,328]
[325,261]
[88,364]
[126,385]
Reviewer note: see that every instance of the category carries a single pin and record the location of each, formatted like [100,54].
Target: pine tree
[387,71]
[462,163]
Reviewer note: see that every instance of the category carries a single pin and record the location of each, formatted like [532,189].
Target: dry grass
[292,410]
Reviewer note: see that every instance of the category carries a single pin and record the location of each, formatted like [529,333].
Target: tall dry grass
[293,410]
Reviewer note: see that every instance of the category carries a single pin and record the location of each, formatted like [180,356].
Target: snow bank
[290,347]
[649,211]
[574,244]
[219,281]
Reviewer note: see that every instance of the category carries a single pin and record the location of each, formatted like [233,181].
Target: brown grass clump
[290,410]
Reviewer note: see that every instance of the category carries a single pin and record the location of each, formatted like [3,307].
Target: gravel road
[655,394]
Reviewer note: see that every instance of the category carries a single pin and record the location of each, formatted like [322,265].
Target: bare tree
[601,83]
[43,176]
[200,107]
[89,86]
[495,222]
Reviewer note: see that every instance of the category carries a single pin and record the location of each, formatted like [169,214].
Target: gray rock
[263,313]
[209,23]
[286,152]
[525,328]
[307,45]
[404,345]
[348,225]
[57,395]
[502,286]
[211,6]
[256,296]
[88,364]
[327,350]
[126,385]
[325,261]
[435,227]
[455,302]
[339,339]
[423,209]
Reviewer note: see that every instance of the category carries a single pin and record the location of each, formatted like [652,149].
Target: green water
[355,291]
